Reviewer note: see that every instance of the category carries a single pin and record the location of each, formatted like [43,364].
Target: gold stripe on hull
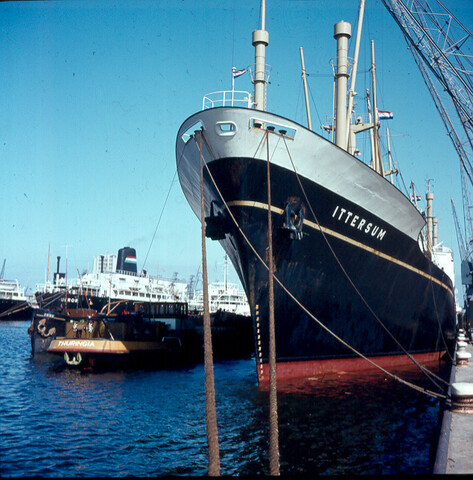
[333,233]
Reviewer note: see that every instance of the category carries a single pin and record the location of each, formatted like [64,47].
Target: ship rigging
[442,48]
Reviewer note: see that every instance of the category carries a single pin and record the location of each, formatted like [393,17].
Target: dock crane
[461,243]
[466,269]
[438,40]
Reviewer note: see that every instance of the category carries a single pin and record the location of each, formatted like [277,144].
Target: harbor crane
[443,50]
[461,243]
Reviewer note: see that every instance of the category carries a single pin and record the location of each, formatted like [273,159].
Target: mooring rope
[395,377]
[273,400]
[427,372]
[159,219]
[438,321]
[210,410]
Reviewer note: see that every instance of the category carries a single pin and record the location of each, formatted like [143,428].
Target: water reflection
[60,422]
[365,423]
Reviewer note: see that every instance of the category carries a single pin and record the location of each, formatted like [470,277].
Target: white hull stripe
[315,226]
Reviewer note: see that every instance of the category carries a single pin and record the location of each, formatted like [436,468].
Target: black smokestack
[126,261]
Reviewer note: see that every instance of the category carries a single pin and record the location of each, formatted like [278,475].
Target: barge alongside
[153,336]
[354,273]
[86,338]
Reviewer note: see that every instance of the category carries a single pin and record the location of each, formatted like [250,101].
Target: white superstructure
[106,281]
[223,296]
[227,297]
[11,290]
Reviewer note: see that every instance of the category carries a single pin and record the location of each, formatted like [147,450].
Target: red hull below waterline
[312,368]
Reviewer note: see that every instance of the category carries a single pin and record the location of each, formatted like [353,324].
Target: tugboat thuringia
[354,274]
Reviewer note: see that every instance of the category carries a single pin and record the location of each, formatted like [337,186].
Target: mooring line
[210,408]
[273,399]
[421,367]
[438,322]
[160,216]
[395,377]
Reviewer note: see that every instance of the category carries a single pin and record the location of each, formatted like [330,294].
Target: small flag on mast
[236,73]
[384,115]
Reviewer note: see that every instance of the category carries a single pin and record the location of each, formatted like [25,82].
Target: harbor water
[60,422]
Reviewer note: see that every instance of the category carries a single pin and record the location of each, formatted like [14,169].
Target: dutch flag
[130,260]
[236,73]
[383,115]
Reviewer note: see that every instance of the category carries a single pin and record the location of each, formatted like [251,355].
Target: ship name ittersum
[357,222]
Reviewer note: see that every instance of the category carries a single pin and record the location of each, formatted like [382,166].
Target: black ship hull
[14,310]
[347,281]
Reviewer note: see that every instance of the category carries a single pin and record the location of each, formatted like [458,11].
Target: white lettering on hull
[355,221]
[76,343]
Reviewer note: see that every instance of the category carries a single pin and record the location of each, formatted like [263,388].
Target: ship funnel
[57,275]
[342,33]
[260,42]
[126,260]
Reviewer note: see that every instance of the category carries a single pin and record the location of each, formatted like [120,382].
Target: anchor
[293,220]
[217,225]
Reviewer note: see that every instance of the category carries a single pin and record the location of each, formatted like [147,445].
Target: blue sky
[92,94]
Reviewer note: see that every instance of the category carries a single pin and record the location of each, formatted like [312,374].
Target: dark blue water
[59,422]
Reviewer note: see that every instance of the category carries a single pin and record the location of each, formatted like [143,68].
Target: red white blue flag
[384,115]
[236,73]
[130,259]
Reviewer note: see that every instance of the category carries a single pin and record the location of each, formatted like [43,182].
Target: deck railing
[227,98]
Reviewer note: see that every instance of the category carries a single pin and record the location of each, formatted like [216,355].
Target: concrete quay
[455,447]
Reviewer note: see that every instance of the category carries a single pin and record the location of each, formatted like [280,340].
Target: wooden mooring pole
[210,409]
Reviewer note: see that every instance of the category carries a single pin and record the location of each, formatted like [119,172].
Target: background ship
[14,304]
[114,286]
[223,296]
[354,273]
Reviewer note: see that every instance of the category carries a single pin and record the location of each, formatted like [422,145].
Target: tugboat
[354,274]
[85,338]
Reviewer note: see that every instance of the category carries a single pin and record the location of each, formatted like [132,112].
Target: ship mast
[309,123]
[260,42]
[351,92]
[47,273]
[378,164]
[429,234]
[225,274]
[342,32]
